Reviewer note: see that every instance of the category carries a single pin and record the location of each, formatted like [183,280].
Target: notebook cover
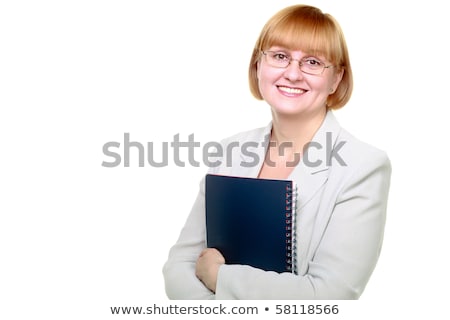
[246,220]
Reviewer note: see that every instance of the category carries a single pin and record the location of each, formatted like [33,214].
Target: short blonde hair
[306,28]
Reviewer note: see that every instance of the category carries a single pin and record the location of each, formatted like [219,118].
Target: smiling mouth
[289,90]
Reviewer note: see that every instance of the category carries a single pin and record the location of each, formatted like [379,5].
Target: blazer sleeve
[350,242]
[179,270]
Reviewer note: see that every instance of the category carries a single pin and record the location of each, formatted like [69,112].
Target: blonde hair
[306,28]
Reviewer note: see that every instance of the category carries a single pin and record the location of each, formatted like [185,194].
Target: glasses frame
[265,52]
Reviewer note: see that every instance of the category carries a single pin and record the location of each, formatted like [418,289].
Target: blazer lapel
[312,171]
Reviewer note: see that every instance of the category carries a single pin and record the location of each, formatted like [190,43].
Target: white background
[76,238]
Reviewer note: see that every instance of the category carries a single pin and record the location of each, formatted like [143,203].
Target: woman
[300,67]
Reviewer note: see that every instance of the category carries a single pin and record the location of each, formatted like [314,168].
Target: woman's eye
[313,62]
[280,56]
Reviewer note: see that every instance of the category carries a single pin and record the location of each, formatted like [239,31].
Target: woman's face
[292,92]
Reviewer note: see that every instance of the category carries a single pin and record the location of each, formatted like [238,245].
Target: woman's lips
[291,91]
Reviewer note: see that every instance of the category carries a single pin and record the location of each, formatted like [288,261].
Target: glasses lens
[311,66]
[277,59]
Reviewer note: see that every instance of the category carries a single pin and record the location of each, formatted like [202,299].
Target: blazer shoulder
[357,152]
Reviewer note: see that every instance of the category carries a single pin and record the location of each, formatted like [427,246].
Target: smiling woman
[312,32]
[300,67]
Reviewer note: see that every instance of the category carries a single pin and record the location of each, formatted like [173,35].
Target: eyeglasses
[309,65]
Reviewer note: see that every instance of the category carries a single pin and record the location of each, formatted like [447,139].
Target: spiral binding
[291,207]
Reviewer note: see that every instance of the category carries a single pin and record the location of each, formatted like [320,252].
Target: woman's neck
[288,138]
[295,132]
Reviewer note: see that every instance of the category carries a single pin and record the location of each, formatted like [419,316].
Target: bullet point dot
[267,309]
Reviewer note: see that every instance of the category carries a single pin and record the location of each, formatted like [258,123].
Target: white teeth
[291,90]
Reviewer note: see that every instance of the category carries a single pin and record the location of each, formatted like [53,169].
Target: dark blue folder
[250,221]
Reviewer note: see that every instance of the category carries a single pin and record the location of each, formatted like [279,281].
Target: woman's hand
[207,268]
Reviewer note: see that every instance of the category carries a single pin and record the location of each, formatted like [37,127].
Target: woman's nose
[293,72]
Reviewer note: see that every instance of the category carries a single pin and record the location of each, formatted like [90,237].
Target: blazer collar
[312,171]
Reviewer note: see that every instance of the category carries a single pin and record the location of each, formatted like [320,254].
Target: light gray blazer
[343,187]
